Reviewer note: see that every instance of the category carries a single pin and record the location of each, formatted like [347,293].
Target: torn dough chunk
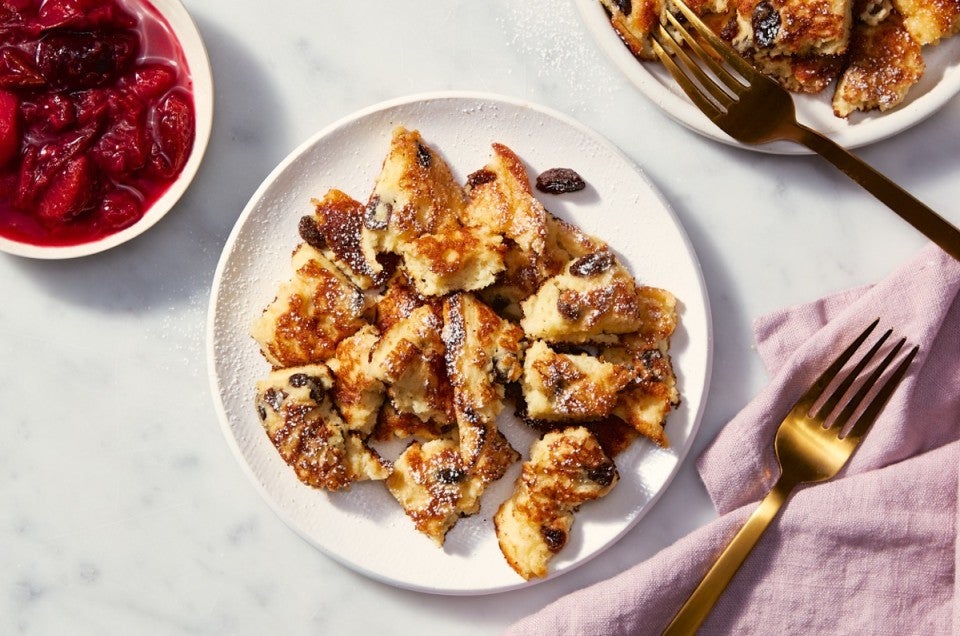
[454,259]
[409,359]
[929,21]
[414,194]
[567,387]
[502,200]
[357,392]
[794,27]
[312,312]
[566,469]
[652,392]
[884,62]
[592,300]
[435,488]
[335,229]
[483,352]
[299,417]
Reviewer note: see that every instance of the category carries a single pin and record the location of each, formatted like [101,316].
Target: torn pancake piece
[435,488]
[409,359]
[313,311]
[568,387]
[483,352]
[414,194]
[592,300]
[566,469]
[357,392]
[298,416]
[884,62]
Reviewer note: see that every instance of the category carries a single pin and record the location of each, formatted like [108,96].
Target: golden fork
[809,448]
[754,109]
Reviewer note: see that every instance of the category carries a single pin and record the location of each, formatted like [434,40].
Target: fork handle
[695,610]
[928,222]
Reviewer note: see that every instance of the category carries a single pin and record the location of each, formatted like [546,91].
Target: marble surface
[122,509]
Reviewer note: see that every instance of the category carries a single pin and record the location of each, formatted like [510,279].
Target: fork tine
[841,420]
[666,39]
[689,87]
[844,386]
[806,401]
[731,82]
[722,48]
[870,414]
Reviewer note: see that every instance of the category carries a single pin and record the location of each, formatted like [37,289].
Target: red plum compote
[96,117]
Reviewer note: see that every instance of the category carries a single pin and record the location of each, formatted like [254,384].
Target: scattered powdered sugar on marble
[552,35]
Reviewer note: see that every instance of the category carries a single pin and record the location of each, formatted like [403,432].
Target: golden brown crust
[313,311]
[357,392]
[435,488]
[929,21]
[570,388]
[409,359]
[885,61]
[415,194]
[299,418]
[335,229]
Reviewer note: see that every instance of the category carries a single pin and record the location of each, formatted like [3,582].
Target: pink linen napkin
[874,551]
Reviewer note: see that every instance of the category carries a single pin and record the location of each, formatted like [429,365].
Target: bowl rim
[185,29]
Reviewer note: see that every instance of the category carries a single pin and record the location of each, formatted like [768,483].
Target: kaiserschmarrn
[431,308]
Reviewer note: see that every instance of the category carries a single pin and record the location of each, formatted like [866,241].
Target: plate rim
[684,112]
[251,205]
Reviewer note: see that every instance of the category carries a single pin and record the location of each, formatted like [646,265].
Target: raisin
[310,232]
[480,177]
[555,538]
[766,24]
[604,474]
[274,398]
[625,6]
[299,379]
[559,181]
[568,305]
[592,264]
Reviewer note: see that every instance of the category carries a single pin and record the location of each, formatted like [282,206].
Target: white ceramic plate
[195,53]
[940,83]
[364,527]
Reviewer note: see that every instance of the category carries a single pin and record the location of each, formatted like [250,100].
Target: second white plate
[364,527]
[940,83]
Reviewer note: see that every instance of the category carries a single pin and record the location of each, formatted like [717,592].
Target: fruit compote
[96,117]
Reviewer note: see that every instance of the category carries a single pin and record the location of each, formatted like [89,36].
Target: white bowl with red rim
[194,54]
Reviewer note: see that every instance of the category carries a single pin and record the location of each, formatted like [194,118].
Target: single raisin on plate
[559,181]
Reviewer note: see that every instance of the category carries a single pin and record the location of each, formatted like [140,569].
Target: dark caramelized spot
[604,474]
[559,181]
[262,412]
[423,156]
[310,233]
[626,6]
[592,264]
[766,24]
[480,177]
[555,538]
